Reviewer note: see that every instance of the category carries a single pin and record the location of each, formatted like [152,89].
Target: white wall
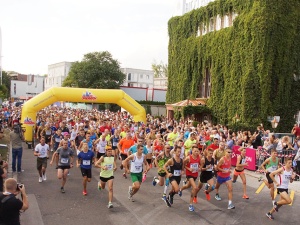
[22,88]
[138,77]
[56,74]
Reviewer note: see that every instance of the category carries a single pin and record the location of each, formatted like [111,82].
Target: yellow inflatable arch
[55,94]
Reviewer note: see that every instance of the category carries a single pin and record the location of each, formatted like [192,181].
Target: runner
[65,162]
[101,143]
[108,165]
[160,161]
[268,166]
[206,176]
[192,167]
[42,153]
[85,160]
[223,167]
[174,173]
[239,170]
[286,176]
[189,143]
[136,170]
[123,147]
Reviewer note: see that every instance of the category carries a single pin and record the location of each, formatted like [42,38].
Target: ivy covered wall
[252,63]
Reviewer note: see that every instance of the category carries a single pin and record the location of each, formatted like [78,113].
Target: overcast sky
[36,33]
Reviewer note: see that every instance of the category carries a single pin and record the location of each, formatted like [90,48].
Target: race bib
[64,160]
[243,161]
[115,144]
[86,162]
[48,132]
[57,139]
[177,173]
[126,150]
[138,168]
[194,167]
[226,170]
[109,167]
[209,169]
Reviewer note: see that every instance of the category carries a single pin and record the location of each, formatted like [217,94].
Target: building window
[148,77]
[129,76]
[141,76]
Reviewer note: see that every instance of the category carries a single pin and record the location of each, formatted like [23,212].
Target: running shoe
[40,179]
[44,177]
[121,166]
[233,181]
[218,197]
[110,205]
[84,193]
[99,186]
[62,190]
[231,206]
[275,206]
[180,192]
[191,208]
[144,177]
[166,200]
[195,200]
[245,197]
[184,182]
[171,198]
[260,179]
[270,216]
[124,175]
[150,165]
[154,182]
[207,195]
[164,197]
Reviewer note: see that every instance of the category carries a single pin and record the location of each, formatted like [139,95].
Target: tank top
[206,164]
[162,162]
[219,155]
[109,163]
[225,166]
[176,168]
[284,178]
[272,166]
[193,164]
[136,165]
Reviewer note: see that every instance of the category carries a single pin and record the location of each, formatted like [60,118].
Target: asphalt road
[50,207]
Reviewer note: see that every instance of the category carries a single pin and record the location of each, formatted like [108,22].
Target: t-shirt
[64,156]
[133,149]
[86,159]
[126,144]
[16,141]
[42,149]
[10,210]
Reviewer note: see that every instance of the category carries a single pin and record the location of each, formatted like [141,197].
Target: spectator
[10,206]
[17,150]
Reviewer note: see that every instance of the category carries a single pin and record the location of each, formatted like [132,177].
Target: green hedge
[251,63]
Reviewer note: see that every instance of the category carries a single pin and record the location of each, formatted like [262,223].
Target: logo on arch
[28,121]
[88,96]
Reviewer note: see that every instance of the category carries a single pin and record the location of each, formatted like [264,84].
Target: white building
[24,87]
[138,78]
[186,6]
[160,83]
[56,74]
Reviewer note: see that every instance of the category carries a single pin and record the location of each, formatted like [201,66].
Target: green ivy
[190,110]
[251,63]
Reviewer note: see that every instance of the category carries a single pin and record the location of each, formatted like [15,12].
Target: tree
[160,70]
[96,70]
[5,87]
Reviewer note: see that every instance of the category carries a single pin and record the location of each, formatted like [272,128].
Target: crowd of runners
[178,151]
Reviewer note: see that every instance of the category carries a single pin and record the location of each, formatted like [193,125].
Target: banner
[250,157]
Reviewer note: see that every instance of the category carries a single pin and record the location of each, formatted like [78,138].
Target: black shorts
[270,181]
[114,147]
[86,172]
[279,190]
[162,174]
[189,177]
[64,167]
[205,176]
[177,179]
[123,156]
[105,179]
[41,162]
[99,155]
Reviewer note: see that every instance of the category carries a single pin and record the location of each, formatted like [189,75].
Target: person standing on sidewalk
[42,153]
[17,150]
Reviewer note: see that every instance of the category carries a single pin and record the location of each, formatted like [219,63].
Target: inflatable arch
[55,94]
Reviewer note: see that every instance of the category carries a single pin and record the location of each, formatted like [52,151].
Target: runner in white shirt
[101,143]
[285,176]
[42,153]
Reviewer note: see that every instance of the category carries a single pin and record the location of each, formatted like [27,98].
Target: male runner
[42,153]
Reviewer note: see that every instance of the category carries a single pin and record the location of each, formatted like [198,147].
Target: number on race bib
[64,160]
[86,162]
[177,173]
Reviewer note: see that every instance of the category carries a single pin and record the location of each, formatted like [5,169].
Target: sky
[37,33]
